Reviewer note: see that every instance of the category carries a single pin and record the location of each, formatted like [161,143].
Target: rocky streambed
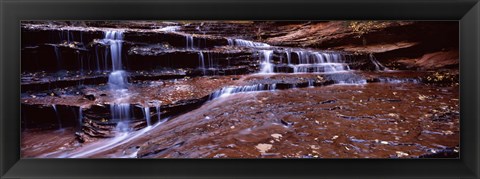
[187,90]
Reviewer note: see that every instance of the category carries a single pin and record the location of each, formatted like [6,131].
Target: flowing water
[266,65]
[189,42]
[59,121]
[282,95]
[201,60]
[118,84]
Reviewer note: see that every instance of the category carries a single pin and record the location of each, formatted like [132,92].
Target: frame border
[467,12]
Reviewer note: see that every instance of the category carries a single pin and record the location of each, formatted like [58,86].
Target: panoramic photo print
[240,89]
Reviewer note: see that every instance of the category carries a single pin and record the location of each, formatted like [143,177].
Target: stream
[117,93]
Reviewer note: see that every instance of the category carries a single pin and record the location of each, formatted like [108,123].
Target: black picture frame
[467,12]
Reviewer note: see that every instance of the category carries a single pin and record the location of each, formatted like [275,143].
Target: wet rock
[99,130]
[286,123]
[354,117]
[153,150]
[90,97]
[220,156]
[83,137]
[328,101]
[442,78]
[452,152]
[435,60]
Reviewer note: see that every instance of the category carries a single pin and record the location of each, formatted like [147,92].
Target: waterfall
[54,106]
[169,28]
[80,117]
[227,91]
[310,83]
[157,108]
[289,57]
[266,65]
[117,82]
[146,112]
[114,39]
[189,42]
[121,113]
[230,42]
[201,61]
[58,56]
[317,62]
[248,43]
[117,78]
[378,65]
[97,59]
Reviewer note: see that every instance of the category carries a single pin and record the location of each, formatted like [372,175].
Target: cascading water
[266,65]
[157,108]
[227,91]
[57,116]
[307,62]
[146,112]
[289,57]
[117,82]
[311,83]
[80,117]
[121,113]
[230,42]
[378,65]
[114,39]
[58,57]
[248,43]
[317,62]
[169,28]
[189,42]
[201,62]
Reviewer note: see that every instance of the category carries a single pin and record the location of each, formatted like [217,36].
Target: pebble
[276,136]
[264,147]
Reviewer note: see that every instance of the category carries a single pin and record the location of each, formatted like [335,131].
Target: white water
[114,38]
[318,62]
[120,110]
[246,43]
[201,61]
[320,67]
[227,91]
[307,62]
[54,106]
[157,108]
[118,84]
[169,28]
[266,66]
[97,147]
[378,65]
[121,113]
[146,112]
[352,82]
[393,80]
[189,42]
[289,57]
[311,83]
[230,42]
[117,80]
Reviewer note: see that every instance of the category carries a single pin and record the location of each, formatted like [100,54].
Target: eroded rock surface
[240,89]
